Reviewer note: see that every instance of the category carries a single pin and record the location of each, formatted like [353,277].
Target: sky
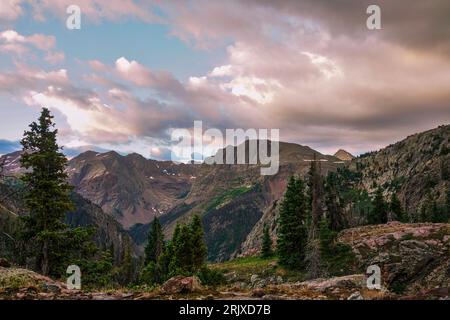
[137,70]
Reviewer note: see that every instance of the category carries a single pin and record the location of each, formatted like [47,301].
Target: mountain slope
[131,188]
[235,201]
[231,199]
[108,232]
[414,168]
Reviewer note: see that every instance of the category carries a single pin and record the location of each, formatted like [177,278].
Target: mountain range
[236,201]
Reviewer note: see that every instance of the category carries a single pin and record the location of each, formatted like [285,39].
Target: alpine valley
[121,195]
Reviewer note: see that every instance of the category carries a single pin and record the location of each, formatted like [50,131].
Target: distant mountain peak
[343,155]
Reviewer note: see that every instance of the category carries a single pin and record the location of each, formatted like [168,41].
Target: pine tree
[184,254]
[292,225]
[336,258]
[427,208]
[438,213]
[126,272]
[47,196]
[333,202]
[313,256]
[165,262]
[378,214]
[395,207]
[155,244]
[315,182]
[266,249]
[172,248]
[200,251]
[183,251]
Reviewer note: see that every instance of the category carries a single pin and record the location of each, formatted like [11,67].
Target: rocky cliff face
[109,234]
[413,257]
[413,168]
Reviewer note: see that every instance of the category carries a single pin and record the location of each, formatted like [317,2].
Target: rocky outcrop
[180,284]
[351,287]
[22,283]
[412,257]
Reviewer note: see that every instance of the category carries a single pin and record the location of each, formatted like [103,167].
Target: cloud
[309,68]
[40,41]
[97,66]
[55,57]
[135,72]
[221,71]
[10,10]
[313,69]
[13,42]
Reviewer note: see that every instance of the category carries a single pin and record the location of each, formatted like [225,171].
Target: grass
[17,278]
[219,201]
[245,267]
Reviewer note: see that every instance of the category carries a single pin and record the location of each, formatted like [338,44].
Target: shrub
[211,277]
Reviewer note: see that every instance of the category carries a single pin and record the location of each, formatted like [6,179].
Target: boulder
[180,284]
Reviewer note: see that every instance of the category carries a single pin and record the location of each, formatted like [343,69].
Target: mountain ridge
[134,189]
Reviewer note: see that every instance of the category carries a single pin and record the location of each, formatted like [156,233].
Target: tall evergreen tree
[395,207]
[333,202]
[315,182]
[47,194]
[266,248]
[427,209]
[292,225]
[183,251]
[199,249]
[313,256]
[126,272]
[379,212]
[155,244]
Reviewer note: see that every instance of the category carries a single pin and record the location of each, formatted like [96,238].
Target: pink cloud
[12,41]
[97,66]
[55,57]
[10,9]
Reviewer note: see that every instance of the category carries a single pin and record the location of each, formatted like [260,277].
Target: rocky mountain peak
[343,155]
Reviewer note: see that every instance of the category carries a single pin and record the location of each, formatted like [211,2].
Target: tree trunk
[45,263]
